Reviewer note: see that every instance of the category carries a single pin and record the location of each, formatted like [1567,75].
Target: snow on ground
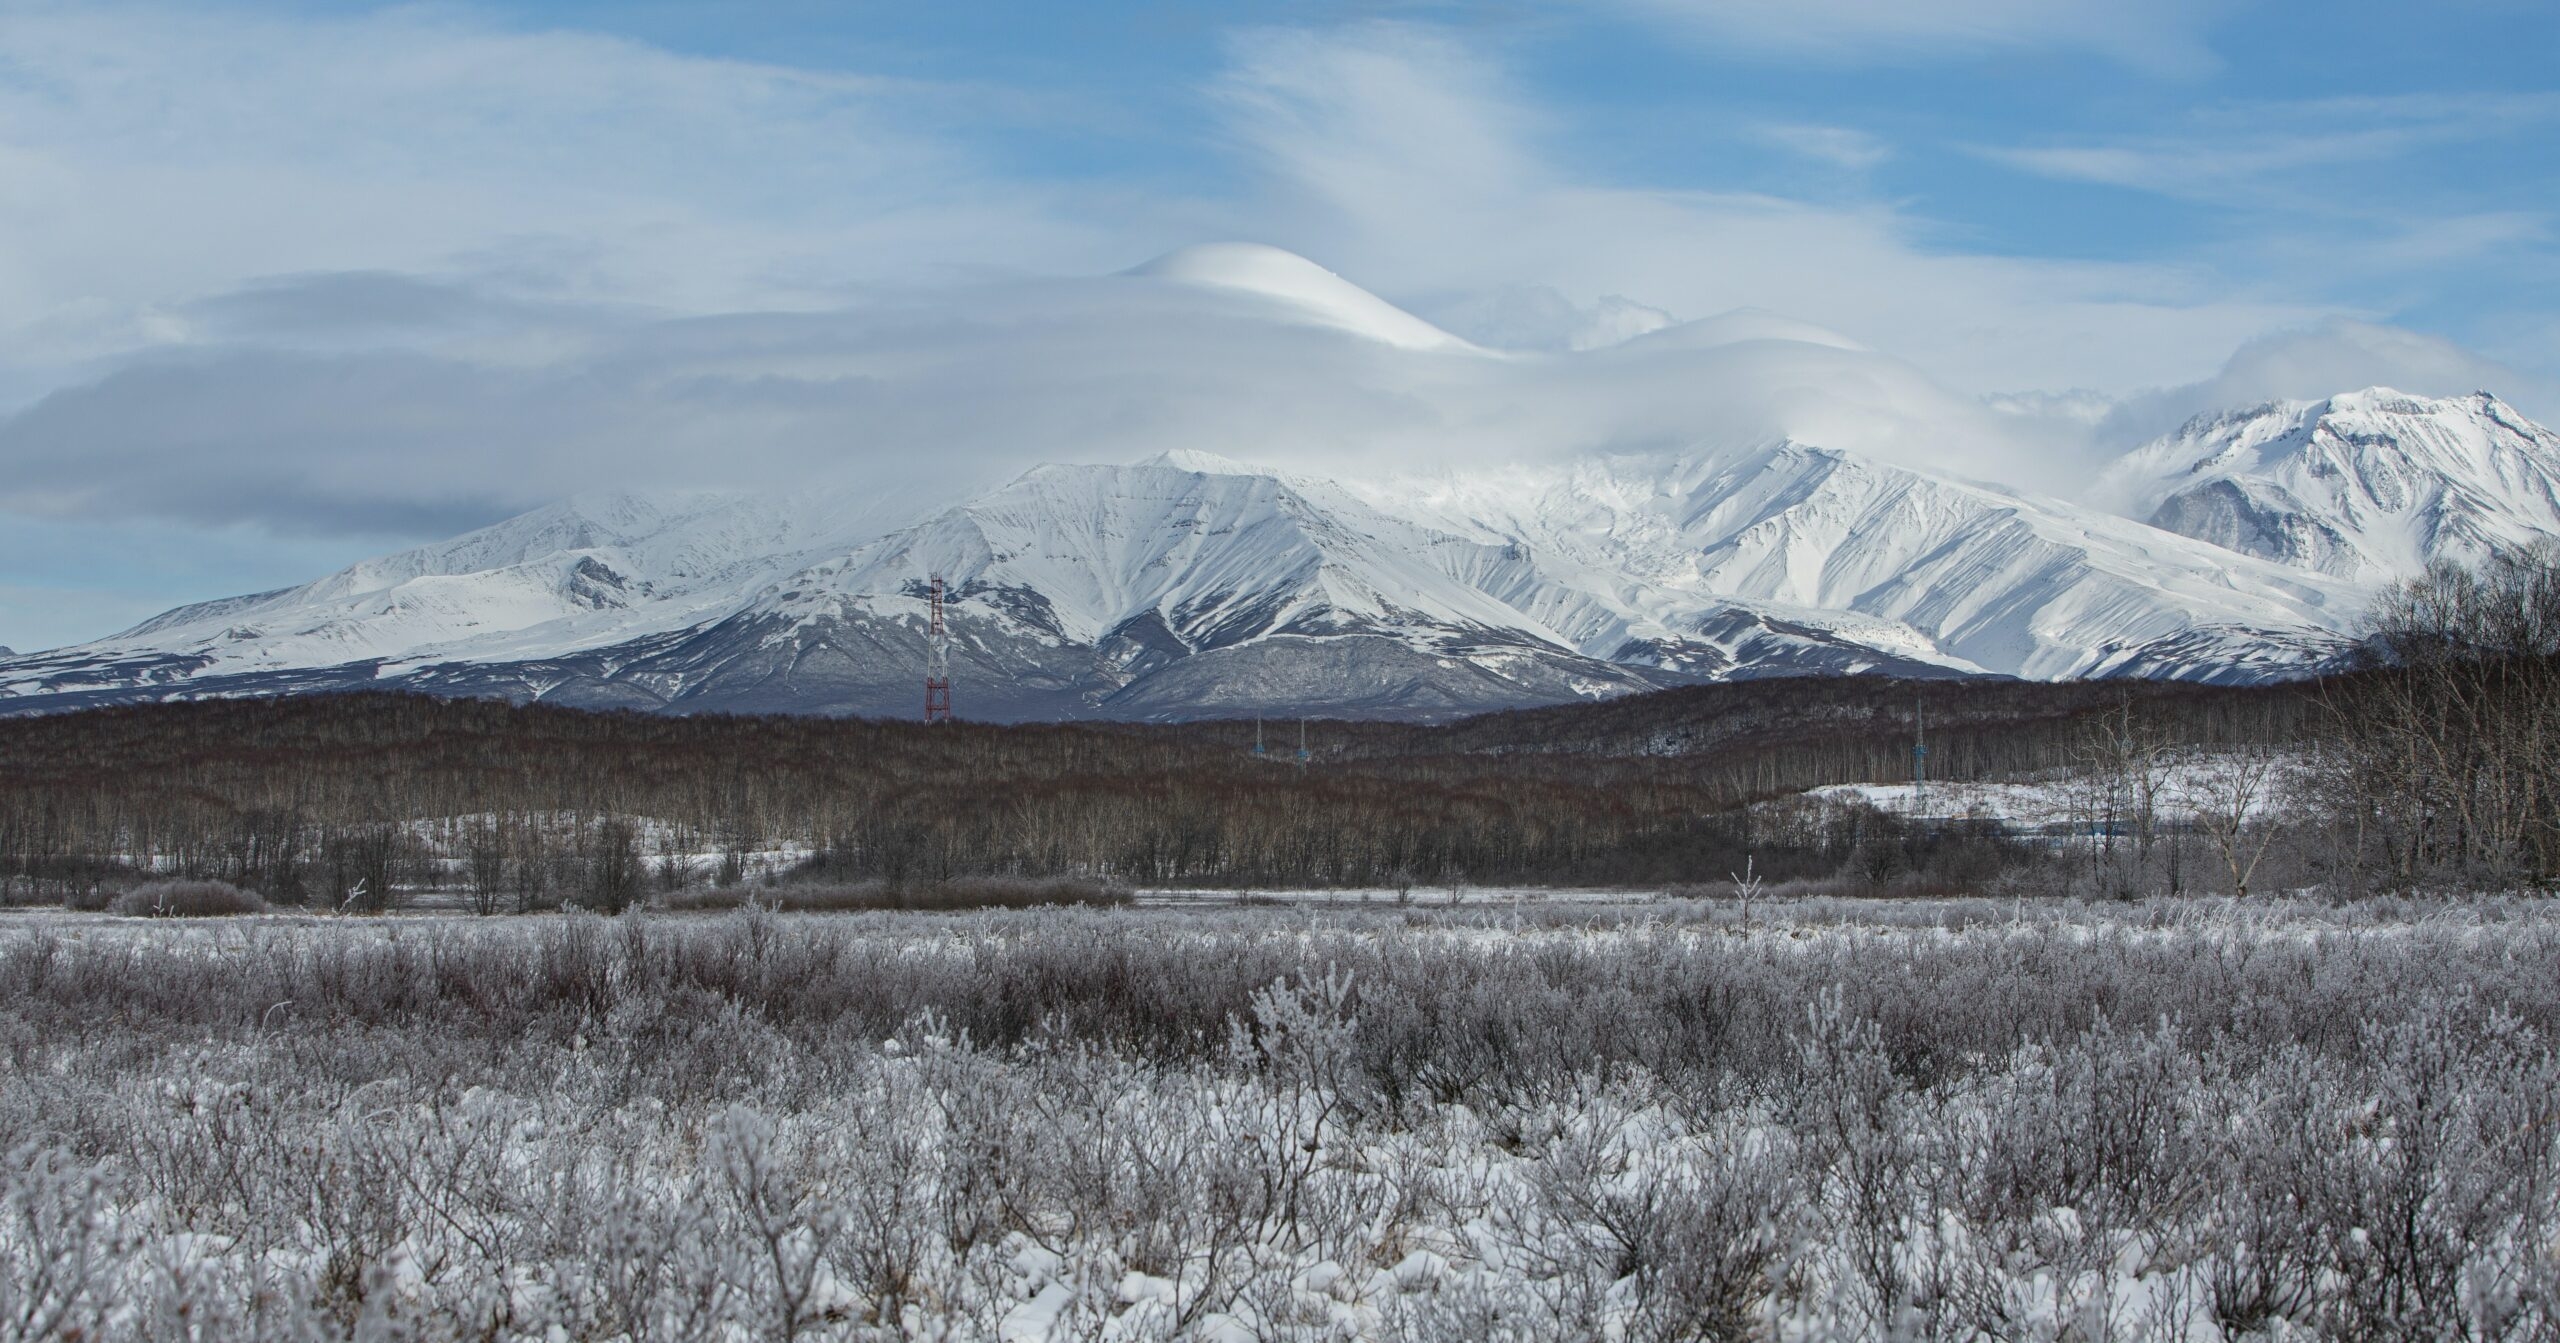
[2183,788]
[1419,894]
[1850,1120]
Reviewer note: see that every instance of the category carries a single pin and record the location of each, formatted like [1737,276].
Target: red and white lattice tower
[937,664]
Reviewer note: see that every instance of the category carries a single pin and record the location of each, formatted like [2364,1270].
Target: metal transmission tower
[937,664]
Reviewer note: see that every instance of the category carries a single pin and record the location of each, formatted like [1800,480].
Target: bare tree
[2235,795]
[2446,750]
[614,867]
[485,864]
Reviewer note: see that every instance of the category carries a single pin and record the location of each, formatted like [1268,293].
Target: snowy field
[2180,789]
[1500,1120]
[1419,894]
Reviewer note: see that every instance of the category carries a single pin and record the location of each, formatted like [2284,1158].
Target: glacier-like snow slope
[1157,588]
[1645,556]
[1187,585]
[591,571]
[2370,485]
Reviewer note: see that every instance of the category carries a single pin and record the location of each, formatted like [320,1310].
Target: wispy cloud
[1841,147]
[398,271]
[955,388]
[2164,36]
[1410,156]
[2321,359]
[2377,203]
[383,401]
[156,153]
[2263,152]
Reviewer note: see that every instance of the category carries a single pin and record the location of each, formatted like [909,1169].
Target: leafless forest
[2435,766]
[305,800]
[2248,1032]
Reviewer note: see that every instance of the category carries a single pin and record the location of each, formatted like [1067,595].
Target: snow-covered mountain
[2370,485]
[1187,585]
[1927,567]
[1794,527]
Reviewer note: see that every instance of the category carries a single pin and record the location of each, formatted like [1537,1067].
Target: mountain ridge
[1808,527]
[1190,585]
[2369,484]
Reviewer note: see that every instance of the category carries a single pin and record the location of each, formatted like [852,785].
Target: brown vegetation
[184,899]
[327,800]
[2444,757]
[812,897]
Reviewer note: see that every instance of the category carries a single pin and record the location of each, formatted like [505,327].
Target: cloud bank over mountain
[363,277]
[1250,351]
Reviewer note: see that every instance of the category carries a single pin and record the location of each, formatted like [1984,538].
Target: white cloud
[2325,358]
[1842,147]
[2162,36]
[422,146]
[159,152]
[1537,317]
[946,391]
[404,272]
[401,396]
[1398,153]
[2272,152]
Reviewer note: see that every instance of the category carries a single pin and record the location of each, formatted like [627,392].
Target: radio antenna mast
[937,663]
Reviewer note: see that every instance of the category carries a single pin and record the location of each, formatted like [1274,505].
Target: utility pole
[1919,756]
[1302,742]
[937,663]
[1257,739]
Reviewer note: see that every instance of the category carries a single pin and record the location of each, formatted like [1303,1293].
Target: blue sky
[253,255]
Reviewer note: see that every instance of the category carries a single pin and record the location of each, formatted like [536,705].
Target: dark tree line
[2441,760]
[343,799]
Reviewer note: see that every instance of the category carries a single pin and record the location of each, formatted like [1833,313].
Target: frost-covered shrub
[61,1245]
[1850,1120]
[957,893]
[186,900]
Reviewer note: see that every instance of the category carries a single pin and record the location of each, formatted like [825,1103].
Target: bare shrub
[59,1246]
[958,893]
[615,872]
[186,900]
[1856,1119]
[1703,1239]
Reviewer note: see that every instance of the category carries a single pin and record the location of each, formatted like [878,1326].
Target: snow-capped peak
[2371,484]
[1201,463]
[1298,287]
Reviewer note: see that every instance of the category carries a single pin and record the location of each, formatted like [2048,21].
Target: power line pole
[1919,756]
[937,663]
